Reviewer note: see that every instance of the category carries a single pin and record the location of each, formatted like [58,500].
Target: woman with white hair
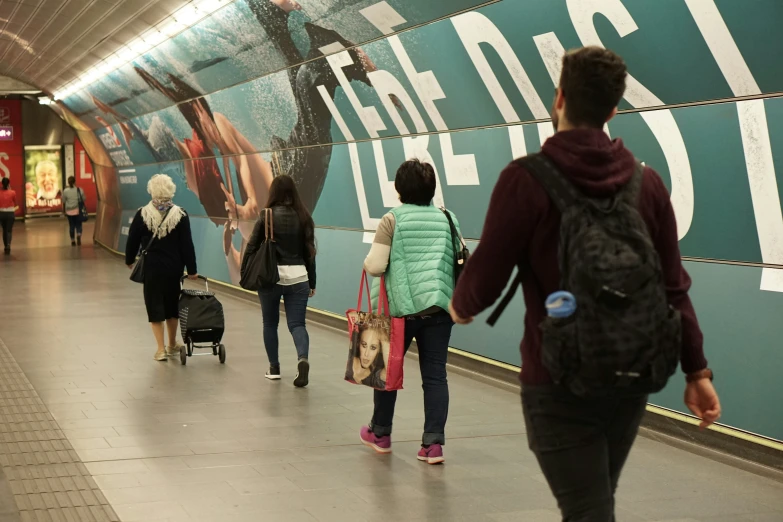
[163,229]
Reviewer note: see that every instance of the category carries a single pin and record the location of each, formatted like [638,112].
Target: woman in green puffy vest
[413,249]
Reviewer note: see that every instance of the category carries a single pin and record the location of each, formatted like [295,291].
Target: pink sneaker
[432,455]
[379,444]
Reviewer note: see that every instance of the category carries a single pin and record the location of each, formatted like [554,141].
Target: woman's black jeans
[432,334]
[7,223]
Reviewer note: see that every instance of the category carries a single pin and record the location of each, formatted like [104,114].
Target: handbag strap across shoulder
[157,229]
[455,237]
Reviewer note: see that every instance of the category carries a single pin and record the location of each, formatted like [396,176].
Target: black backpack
[624,338]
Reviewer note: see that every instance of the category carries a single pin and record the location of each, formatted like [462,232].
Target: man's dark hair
[415,183]
[593,83]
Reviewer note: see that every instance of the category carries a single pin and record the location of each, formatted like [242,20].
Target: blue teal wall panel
[742,332]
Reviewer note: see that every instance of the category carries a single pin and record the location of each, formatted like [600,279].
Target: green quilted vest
[421,264]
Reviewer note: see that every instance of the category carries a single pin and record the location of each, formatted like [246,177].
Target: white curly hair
[161,187]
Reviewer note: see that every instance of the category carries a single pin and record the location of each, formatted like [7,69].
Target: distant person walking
[7,213]
[73,198]
[163,229]
[608,316]
[294,236]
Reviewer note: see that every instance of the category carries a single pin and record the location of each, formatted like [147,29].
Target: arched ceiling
[48,43]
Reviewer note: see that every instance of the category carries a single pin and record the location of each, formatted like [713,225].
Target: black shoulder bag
[259,268]
[83,214]
[462,253]
[137,274]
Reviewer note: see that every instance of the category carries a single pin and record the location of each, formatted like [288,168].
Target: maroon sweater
[522,230]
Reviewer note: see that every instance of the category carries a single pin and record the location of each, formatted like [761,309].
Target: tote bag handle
[364,284]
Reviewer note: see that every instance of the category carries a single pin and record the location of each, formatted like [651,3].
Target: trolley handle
[206,281]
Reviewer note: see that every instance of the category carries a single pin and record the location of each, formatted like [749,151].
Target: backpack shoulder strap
[562,193]
[501,307]
[632,191]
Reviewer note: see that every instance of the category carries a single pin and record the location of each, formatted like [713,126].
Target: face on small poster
[43,180]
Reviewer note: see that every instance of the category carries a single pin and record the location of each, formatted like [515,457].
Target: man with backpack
[608,317]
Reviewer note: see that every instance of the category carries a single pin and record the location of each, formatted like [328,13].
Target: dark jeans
[581,446]
[432,334]
[75,225]
[7,222]
[295,299]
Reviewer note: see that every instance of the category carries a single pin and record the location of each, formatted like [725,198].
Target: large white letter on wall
[474,29]
[755,137]
[460,169]
[661,122]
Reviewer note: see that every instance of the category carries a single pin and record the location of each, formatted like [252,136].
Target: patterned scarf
[162,204]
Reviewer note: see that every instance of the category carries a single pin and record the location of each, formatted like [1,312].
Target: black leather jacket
[289,239]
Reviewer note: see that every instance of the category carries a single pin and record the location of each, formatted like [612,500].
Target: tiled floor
[211,442]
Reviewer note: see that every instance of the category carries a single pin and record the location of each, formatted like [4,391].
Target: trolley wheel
[183,355]
[190,348]
[222,354]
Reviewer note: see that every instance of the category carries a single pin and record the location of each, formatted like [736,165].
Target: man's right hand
[456,317]
[702,399]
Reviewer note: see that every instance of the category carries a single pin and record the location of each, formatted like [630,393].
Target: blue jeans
[432,334]
[295,299]
[75,226]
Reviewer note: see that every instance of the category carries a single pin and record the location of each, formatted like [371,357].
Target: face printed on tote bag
[370,346]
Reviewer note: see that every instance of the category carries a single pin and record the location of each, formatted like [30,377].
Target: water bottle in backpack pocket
[559,335]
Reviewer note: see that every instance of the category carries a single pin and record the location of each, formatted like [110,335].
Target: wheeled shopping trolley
[202,322]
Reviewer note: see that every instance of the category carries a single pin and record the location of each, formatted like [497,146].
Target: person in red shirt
[7,213]
[581,443]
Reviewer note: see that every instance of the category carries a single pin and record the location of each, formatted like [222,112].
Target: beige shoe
[173,351]
[160,355]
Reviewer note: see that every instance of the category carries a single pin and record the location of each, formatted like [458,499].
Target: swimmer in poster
[215,138]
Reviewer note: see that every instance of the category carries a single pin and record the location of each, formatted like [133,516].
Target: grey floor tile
[218,443]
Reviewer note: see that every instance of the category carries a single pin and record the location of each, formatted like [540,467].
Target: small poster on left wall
[43,180]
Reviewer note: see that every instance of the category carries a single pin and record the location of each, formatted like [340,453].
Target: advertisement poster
[11,149]
[43,180]
[336,96]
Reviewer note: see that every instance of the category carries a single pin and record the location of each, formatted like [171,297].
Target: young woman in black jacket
[294,233]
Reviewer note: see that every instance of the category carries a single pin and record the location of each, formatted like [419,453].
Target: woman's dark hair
[283,193]
[415,183]
[178,92]
[71,181]
[6,183]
